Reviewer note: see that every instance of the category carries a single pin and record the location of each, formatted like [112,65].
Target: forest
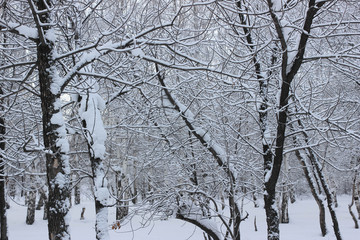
[181,109]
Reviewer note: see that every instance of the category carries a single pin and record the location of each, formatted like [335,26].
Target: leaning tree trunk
[312,184]
[54,132]
[318,168]
[313,191]
[328,194]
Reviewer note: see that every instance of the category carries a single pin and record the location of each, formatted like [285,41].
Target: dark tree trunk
[56,163]
[77,194]
[54,133]
[30,216]
[200,225]
[3,219]
[272,217]
[328,194]
[122,208]
[314,192]
[45,215]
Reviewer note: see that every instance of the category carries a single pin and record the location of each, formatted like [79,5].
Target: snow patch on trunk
[91,105]
[102,224]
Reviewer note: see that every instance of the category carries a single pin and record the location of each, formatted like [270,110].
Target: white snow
[101,221]
[62,141]
[24,30]
[57,81]
[91,105]
[138,52]
[277,5]
[303,224]
[50,35]
[61,180]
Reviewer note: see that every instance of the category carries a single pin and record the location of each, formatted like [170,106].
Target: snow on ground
[303,224]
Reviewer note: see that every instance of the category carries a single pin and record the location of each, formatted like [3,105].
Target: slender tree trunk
[3,218]
[30,216]
[356,192]
[42,199]
[284,206]
[77,194]
[235,215]
[328,195]
[101,209]
[101,192]
[285,194]
[314,193]
[318,168]
[45,215]
[3,204]
[312,184]
[122,208]
[353,201]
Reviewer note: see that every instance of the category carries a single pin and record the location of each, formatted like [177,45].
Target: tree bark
[3,218]
[328,194]
[42,199]
[30,216]
[284,216]
[352,202]
[122,208]
[314,193]
[54,133]
[77,194]
[101,192]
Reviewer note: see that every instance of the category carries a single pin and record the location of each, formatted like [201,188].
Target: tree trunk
[352,202]
[272,217]
[42,199]
[45,215]
[30,216]
[101,192]
[285,194]
[311,154]
[56,161]
[3,218]
[122,208]
[77,194]
[54,132]
[284,206]
[328,195]
[357,195]
[314,193]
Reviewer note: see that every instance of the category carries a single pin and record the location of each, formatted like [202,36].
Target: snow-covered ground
[303,224]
